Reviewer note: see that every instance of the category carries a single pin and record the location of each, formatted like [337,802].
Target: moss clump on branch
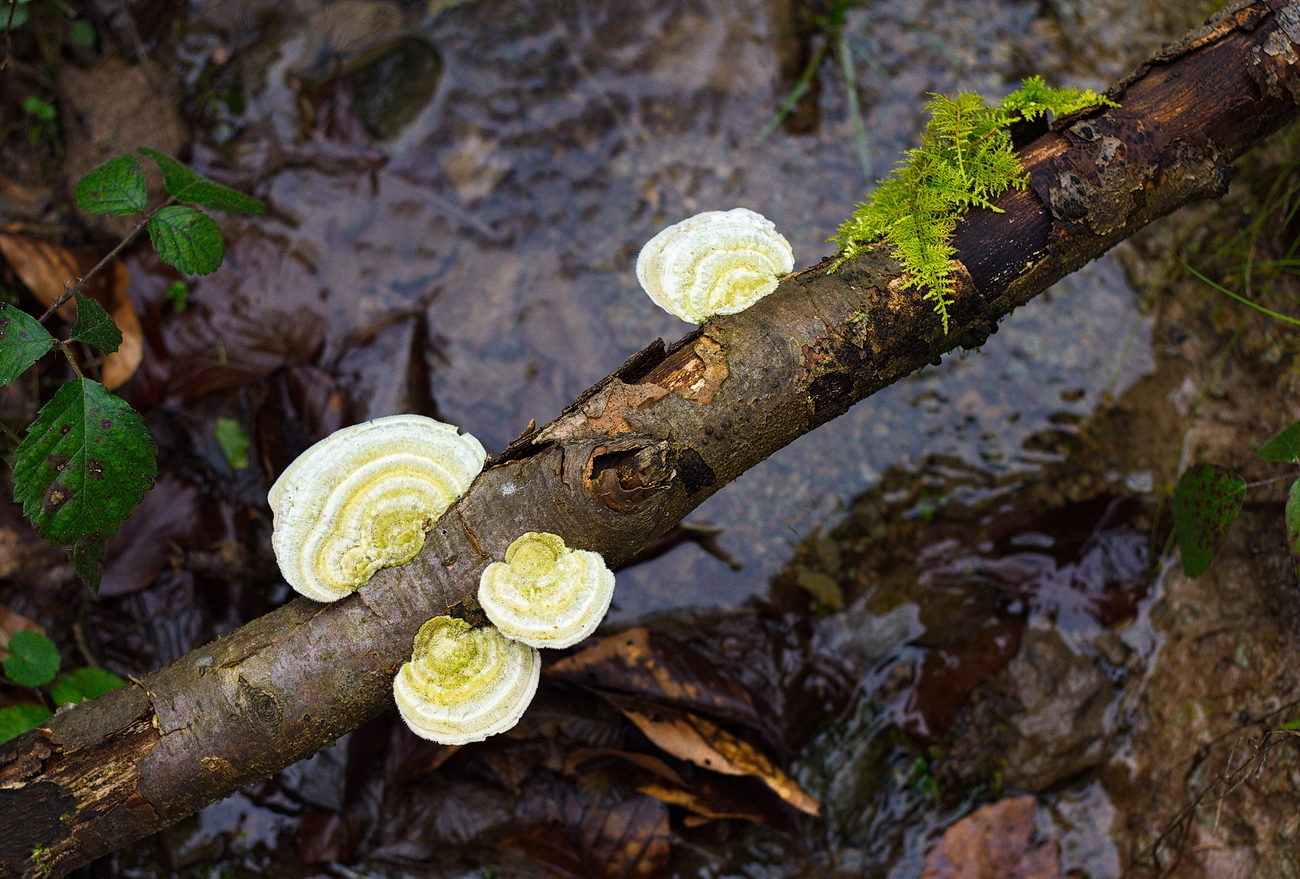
[965,160]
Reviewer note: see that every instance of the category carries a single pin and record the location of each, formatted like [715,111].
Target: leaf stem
[72,290]
[66,348]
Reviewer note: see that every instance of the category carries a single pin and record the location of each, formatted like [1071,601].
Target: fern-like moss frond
[965,160]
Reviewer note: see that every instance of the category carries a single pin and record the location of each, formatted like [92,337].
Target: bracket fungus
[464,684]
[362,499]
[717,262]
[545,594]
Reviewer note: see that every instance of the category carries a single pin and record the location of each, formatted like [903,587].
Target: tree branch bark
[641,449]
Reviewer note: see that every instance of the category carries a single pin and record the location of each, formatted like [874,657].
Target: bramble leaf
[81,684]
[186,184]
[187,239]
[1206,500]
[1283,447]
[115,187]
[23,341]
[1292,517]
[94,326]
[86,462]
[34,661]
[18,719]
[233,441]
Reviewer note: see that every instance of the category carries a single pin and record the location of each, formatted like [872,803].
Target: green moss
[965,160]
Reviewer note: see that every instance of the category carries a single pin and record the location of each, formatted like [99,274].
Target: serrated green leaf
[233,441]
[1283,447]
[23,341]
[34,661]
[1206,500]
[86,462]
[18,719]
[188,185]
[94,326]
[1292,517]
[115,187]
[187,239]
[81,684]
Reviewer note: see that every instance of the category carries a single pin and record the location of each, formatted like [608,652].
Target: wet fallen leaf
[657,667]
[629,839]
[694,739]
[46,268]
[548,846]
[997,841]
[321,835]
[707,798]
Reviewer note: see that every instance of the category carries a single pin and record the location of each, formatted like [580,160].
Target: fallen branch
[641,449]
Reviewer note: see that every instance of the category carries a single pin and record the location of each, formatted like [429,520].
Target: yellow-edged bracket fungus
[717,262]
[464,684]
[545,594]
[362,499]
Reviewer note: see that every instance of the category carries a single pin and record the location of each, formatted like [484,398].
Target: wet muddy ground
[953,602]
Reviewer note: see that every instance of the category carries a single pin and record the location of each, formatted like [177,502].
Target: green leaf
[187,239]
[1292,517]
[190,186]
[34,661]
[178,294]
[42,110]
[94,326]
[12,16]
[23,341]
[115,187]
[1206,500]
[85,464]
[81,684]
[82,33]
[233,441]
[1283,447]
[18,719]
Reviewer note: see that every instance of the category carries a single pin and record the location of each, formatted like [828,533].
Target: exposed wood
[640,450]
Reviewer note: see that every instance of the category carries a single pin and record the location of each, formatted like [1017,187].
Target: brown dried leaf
[997,841]
[630,839]
[47,268]
[653,666]
[694,739]
[709,797]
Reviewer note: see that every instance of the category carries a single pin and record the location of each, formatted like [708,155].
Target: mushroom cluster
[362,499]
[717,262]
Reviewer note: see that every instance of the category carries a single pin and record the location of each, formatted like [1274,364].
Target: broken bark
[641,449]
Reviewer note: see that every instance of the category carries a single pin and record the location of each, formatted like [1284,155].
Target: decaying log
[641,449]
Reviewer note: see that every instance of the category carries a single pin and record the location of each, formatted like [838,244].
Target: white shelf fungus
[544,593]
[362,499]
[464,684]
[717,262]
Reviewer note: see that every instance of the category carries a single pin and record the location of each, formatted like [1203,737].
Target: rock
[1061,728]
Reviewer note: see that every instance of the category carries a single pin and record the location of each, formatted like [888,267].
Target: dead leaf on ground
[695,740]
[629,839]
[46,268]
[707,798]
[657,667]
[997,841]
